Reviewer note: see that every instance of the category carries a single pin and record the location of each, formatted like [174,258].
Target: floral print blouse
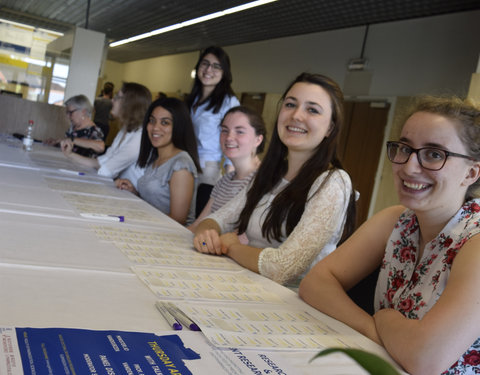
[413,289]
[93,132]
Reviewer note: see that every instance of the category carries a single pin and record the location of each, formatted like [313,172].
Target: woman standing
[168,155]
[426,301]
[129,105]
[211,97]
[300,200]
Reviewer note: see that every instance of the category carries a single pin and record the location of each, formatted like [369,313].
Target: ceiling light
[194,21]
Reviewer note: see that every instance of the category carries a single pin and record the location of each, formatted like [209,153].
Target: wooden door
[254,101]
[360,147]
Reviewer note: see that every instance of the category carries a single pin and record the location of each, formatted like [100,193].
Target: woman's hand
[124,184]
[209,242]
[67,146]
[52,142]
[227,240]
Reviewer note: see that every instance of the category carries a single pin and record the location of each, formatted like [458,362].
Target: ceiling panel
[120,19]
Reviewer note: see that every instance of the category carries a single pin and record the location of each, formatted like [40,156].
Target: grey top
[154,185]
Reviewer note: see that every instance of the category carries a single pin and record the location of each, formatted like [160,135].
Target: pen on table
[72,172]
[167,316]
[103,217]
[181,317]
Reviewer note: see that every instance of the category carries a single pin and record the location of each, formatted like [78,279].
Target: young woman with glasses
[211,97]
[129,105]
[301,202]
[426,300]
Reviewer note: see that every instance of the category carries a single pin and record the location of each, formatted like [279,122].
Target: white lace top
[315,236]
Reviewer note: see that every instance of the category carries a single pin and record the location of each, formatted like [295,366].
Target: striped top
[226,188]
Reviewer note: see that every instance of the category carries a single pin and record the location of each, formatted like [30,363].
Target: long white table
[59,269]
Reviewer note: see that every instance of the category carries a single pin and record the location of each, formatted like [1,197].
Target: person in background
[86,138]
[242,138]
[161,95]
[426,300]
[168,154]
[211,97]
[300,202]
[129,105]
[102,106]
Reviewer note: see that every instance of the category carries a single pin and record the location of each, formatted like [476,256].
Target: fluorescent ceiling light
[194,21]
[17,24]
[34,61]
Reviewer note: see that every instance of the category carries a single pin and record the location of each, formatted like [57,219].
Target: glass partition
[26,68]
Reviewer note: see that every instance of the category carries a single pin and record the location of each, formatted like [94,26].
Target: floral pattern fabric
[412,288]
[93,133]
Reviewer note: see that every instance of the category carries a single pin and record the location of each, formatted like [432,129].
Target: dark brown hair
[222,89]
[289,204]
[183,136]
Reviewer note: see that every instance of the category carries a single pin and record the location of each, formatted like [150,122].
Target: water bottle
[28,139]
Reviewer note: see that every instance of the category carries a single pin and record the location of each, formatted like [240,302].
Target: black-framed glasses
[430,158]
[69,113]
[205,64]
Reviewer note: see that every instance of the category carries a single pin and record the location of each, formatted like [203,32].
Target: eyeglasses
[69,113]
[117,96]
[430,158]
[205,64]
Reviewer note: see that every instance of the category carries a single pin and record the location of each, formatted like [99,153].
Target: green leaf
[372,363]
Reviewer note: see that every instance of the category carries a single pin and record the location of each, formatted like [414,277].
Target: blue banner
[83,352]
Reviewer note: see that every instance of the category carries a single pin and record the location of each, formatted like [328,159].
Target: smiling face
[160,127]
[305,117]
[238,138]
[421,189]
[209,70]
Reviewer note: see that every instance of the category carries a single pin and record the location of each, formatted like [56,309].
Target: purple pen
[118,218]
[167,316]
[181,317]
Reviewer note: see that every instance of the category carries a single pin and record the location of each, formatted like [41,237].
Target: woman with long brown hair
[295,211]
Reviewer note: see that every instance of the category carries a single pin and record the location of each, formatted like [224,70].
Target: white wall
[435,55]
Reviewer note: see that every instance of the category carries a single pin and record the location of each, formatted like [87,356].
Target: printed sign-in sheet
[157,248]
[264,326]
[207,285]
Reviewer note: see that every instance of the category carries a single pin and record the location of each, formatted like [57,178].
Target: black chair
[363,294]
[203,195]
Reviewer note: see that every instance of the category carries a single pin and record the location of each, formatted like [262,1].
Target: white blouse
[315,236]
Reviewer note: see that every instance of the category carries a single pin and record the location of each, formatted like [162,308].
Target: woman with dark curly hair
[168,156]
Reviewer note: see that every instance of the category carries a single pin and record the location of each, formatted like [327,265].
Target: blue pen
[168,317]
[182,317]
